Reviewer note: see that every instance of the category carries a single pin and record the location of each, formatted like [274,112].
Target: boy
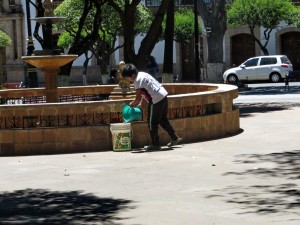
[145,84]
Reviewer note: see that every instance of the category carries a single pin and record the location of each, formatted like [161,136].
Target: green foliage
[65,40]
[72,10]
[266,13]
[184,28]
[144,18]
[110,21]
[4,39]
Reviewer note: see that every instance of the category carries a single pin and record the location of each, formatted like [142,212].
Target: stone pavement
[251,178]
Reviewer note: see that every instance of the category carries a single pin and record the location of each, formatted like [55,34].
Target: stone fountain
[48,60]
[197,111]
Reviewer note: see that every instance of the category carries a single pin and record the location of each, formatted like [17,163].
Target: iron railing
[95,118]
[62,98]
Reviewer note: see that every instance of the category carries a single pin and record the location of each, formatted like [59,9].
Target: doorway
[242,48]
[290,46]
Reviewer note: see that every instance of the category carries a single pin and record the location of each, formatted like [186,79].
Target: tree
[127,13]
[262,13]
[4,39]
[183,30]
[93,26]
[169,33]
[184,25]
[82,29]
[213,14]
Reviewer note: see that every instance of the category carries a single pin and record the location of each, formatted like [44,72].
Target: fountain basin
[197,112]
[50,65]
[49,61]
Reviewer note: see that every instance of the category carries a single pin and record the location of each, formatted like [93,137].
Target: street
[269,92]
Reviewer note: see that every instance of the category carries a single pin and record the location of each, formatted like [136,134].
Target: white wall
[158,51]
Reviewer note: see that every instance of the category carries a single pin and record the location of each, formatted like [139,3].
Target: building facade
[12,23]
[238,45]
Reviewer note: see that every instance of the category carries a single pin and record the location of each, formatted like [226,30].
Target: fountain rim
[49,56]
[39,61]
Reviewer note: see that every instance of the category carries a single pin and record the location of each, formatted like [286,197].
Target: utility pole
[32,79]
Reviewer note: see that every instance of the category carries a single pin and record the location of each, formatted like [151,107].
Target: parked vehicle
[273,68]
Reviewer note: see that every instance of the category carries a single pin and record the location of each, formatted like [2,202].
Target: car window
[251,62]
[268,61]
[285,60]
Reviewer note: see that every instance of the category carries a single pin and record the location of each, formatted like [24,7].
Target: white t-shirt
[150,87]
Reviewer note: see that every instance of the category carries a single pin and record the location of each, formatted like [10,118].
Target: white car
[272,67]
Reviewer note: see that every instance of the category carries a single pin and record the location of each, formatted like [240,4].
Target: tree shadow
[266,198]
[246,109]
[39,206]
[284,165]
[271,90]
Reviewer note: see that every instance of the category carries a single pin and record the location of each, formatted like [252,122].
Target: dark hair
[129,70]
[113,73]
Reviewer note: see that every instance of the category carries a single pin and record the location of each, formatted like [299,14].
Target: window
[251,62]
[285,60]
[268,61]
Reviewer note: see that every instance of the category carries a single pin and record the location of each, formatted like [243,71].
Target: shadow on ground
[271,90]
[246,109]
[39,206]
[265,197]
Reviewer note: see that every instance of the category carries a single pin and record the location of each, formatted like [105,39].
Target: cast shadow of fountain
[40,206]
[266,197]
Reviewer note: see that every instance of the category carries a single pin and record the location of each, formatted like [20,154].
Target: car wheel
[275,77]
[232,79]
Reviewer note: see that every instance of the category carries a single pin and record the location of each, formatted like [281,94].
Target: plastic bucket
[131,113]
[121,136]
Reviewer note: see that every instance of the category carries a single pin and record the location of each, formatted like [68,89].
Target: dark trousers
[158,115]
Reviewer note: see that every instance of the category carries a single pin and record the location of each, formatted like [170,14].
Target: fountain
[48,60]
[197,111]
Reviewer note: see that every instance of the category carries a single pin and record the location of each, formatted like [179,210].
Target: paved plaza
[252,178]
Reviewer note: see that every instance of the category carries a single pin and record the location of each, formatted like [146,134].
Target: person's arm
[137,100]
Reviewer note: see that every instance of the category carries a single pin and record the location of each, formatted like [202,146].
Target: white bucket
[121,136]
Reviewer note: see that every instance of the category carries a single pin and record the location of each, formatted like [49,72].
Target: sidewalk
[251,178]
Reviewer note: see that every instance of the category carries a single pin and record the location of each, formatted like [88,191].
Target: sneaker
[176,142]
[152,148]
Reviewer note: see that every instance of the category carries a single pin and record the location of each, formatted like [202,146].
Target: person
[145,84]
[125,85]
[152,66]
[112,77]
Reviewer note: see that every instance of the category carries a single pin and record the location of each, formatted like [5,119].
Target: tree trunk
[215,22]
[169,34]
[148,43]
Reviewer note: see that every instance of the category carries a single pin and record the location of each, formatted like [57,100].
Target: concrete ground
[251,178]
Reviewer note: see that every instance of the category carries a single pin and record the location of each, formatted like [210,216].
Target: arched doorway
[290,46]
[242,48]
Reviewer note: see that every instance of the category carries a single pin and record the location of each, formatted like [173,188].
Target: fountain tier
[50,65]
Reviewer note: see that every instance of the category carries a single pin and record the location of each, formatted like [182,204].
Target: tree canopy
[184,25]
[262,13]
[94,25]
[4,39]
